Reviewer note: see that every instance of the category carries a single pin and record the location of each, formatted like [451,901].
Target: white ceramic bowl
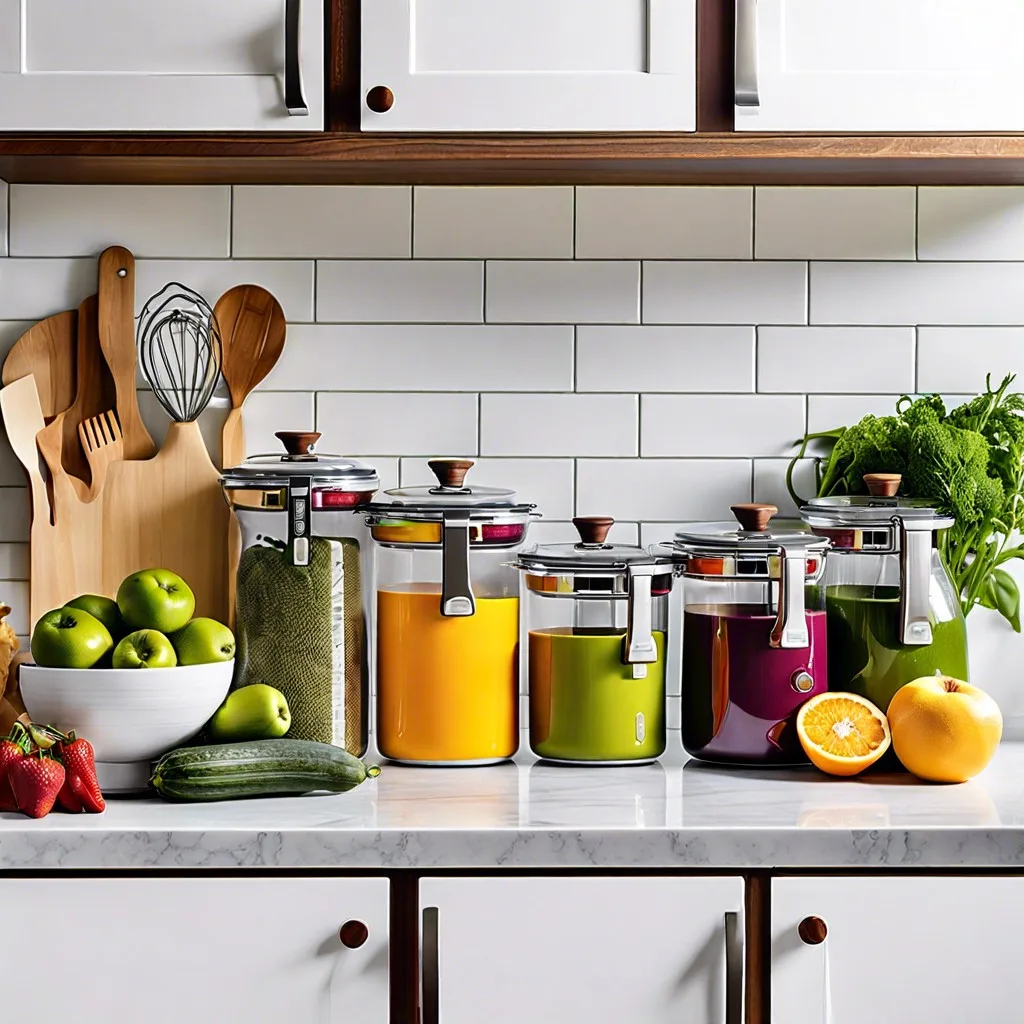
[131,716]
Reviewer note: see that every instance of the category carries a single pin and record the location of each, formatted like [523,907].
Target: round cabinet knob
[380,99]
[353,934]
[813,931]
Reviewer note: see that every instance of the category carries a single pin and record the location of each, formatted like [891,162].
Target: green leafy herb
[968,463]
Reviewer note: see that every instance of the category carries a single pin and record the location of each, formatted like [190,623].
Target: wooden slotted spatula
[102,443]
[252,331]
[117,340]
[47,350]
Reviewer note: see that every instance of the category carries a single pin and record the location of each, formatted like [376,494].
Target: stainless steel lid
[449,493]
[300,459]
[590,555]
[751,534]
[878,509]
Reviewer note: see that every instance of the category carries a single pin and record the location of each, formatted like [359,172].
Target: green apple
[69,638]
[103,608]
[203,641]
[145,648]
[256,712]
[156,599]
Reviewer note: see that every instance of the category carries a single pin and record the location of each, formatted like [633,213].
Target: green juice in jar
[865,654]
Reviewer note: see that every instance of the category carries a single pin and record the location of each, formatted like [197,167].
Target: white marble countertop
[674,814]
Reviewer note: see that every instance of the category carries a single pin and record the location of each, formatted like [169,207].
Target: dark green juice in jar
[865,653]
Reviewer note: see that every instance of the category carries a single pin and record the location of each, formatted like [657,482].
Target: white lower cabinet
[582,950]
[203,950]
[897,950]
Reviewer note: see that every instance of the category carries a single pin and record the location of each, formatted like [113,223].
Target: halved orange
[842,733]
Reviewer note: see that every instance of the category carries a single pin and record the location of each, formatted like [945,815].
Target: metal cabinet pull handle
[430,968]
[733,968]
[745,83]
[294,99]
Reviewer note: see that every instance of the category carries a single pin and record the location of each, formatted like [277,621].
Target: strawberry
[36,781]
[81,790]
[11,749]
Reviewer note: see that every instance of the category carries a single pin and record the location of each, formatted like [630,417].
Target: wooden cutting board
[47,351]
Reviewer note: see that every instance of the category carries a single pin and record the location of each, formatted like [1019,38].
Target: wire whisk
[180,350]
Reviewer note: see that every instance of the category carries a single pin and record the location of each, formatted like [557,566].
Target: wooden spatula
[252,331]
[102,444]
[23,419]
[47,350]
[117,340]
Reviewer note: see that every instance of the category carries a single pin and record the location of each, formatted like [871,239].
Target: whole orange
[943,729]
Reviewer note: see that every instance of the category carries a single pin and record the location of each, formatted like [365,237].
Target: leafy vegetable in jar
[968,463]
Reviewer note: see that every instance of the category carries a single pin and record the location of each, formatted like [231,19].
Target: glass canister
[597,616]
[447,620]
[304,586]
[754,636]
[893,612]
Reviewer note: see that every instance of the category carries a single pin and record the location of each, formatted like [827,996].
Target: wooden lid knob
[380,99]
[882,485]
[753,517]
[450,473]
[813,931]
[593,529]
[298,442]
[353,934]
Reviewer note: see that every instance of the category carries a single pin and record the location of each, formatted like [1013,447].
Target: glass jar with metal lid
[893,611]
[754,637]
[304,585]
[447,619]
[597,620]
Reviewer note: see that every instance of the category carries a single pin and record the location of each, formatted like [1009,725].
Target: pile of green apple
[149,625]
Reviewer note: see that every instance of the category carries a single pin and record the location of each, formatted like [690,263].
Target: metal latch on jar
[916,572]
[456,591]
[790,629]
[640,649]
[299,490]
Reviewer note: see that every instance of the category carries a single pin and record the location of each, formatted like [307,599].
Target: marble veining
[674,814]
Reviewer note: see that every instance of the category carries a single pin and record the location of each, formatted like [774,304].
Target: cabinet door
[530,65]
[880,66]
[603,950]
[140,65]
[899,949]
[203,950]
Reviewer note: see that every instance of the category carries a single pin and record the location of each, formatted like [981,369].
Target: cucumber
[230,771]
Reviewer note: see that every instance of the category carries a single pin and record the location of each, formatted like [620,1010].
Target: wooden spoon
[117,339]
[23,419]
[252,330]
[47,350]
[95,392]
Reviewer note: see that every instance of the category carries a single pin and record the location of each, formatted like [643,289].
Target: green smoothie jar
[892,612]
[597,616]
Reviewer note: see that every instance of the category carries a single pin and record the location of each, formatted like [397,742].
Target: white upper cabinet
[203,950]
[880,65]
[898,950]
[150,65]
[529,65]
[570,949]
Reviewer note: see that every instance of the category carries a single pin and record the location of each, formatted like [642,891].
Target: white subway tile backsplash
[840,359]
[724,293]
[378,357]
[452,222]
[917,293]
[965,223]
[546,291]
[322,221]
[835,223]
[546,532]
[150,220]
[15,594]
[266,412]
[33,289]
[665,359]
[14,514]
[3,218]
[400,291]
[719,425]
[399,424]
[770,483]
[664,222]
[547,483]
[581,425]
[958,358]
[291,281]
[13,563]
[826,412]
[662,490]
